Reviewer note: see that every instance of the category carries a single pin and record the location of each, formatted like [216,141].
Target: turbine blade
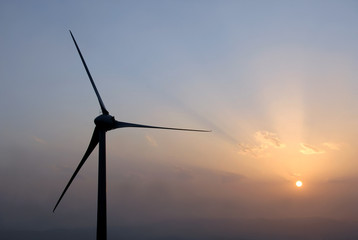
[125,124]
[93,143]
[103,108]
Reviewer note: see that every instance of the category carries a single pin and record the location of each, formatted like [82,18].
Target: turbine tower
[104,123]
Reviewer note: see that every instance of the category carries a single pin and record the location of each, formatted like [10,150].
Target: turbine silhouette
[104,123]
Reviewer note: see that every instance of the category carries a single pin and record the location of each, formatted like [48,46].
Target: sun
[299,184]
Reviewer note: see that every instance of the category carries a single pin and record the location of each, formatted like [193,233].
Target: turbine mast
[102,188]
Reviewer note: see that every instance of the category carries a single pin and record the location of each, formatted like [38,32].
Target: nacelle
[105,122]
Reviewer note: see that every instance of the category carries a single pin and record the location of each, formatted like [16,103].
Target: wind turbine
[104,123]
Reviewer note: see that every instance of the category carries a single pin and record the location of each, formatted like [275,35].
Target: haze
[276,81]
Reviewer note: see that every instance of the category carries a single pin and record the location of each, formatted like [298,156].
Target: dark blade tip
[56,206]
[201,130]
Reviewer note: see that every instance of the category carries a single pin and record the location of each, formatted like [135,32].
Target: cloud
[228,177]
[269,139]
[264,140]
[151,141]
[295,174]
[39,140]
[332,146]
[309,149]
[204,176]
[251,150]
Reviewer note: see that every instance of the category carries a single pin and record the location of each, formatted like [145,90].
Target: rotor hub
[105,122]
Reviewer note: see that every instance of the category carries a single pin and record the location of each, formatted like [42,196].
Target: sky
[275,81]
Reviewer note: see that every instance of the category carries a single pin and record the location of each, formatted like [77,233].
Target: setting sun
[299,184]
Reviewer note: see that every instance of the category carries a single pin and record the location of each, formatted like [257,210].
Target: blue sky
[274,80]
